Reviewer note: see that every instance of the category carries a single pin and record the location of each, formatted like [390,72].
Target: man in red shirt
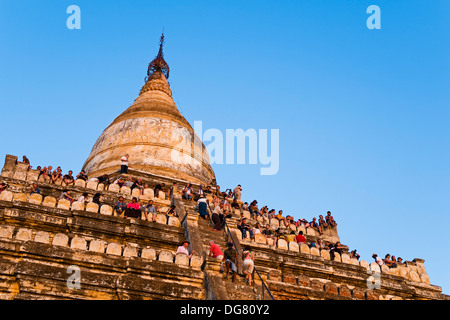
[300,237]
[214,251]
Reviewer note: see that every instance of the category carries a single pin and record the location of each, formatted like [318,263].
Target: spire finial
[158,63]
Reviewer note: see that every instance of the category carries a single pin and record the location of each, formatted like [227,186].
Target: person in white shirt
[183,248]
[129,182]
[124,164]
[378,259]
[83,198]
[202,207]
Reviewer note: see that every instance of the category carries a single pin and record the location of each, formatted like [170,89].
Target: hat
[230,243]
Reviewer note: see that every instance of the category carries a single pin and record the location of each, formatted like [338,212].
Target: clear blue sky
[362,114]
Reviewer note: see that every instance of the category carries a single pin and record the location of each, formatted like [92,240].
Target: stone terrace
[40,237]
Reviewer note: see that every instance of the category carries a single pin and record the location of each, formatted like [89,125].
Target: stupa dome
[158,139]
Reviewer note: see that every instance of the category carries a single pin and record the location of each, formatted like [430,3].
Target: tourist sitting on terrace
[336,248]
[305,223]
[264,212]
[96,199]
[215,251]
[289,221]
[44,174]
[313,244]
[244,228]
[330,220]
[149,208]
[389,262]
[280,218]
[271,214]
[300,238]
[227,193]
[133,209]
[377,259]
[235,205]
[231,261]
[104,179]
[353,254]
[35,189]
[245,206]
[187,192]
[217,191]
[129,182]
[290,237]
[269,234]
[82,175]
[56,174]
[322,223]
[3,186]
[159,187]
[323,246]
[253,208]
[68,178]
[120,206]
[83,198]
[257,229]
[208,190]
[313,224]
[25,160]
[66,195]
[279,233]
[171,213]
[183,249]
[199,193]
[399,260]
[119,181]
[138,184]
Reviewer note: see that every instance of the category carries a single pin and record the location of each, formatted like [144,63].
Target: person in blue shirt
[120,206]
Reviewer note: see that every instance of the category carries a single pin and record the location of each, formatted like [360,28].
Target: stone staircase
[207,234]
[237,290]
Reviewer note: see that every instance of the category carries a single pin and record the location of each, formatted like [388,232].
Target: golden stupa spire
[158,64]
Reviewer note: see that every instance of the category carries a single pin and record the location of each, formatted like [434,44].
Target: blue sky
[362,114]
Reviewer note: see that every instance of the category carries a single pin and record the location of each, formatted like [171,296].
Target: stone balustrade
[77,242]
[280,282]
[413,271]
[52,202]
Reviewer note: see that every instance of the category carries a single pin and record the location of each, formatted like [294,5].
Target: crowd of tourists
[221,206]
